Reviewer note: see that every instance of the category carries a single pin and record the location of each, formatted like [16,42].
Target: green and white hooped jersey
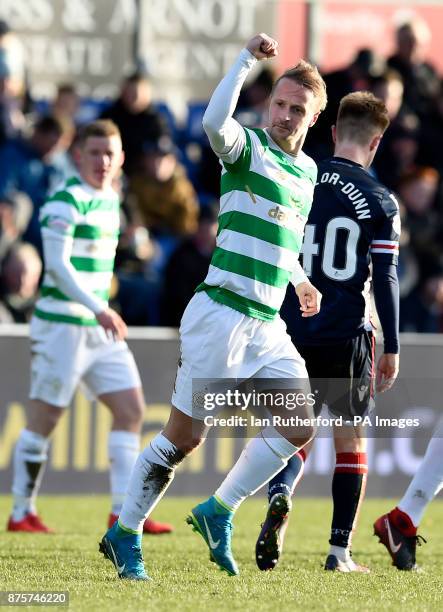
[266,196]
[91,219]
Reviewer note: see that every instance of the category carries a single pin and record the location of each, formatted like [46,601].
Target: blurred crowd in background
[170,182]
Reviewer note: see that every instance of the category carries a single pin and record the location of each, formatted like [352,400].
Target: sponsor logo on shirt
[278,214]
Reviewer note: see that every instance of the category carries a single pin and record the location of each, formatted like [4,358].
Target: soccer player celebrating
[397,530]
[231,328]
[74,334]
[354,221]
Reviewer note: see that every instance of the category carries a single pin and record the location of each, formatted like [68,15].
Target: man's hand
[112,323]
[387,371]
[309,299]
[262,46]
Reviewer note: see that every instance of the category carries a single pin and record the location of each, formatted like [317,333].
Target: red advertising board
[292,20]
[344,27]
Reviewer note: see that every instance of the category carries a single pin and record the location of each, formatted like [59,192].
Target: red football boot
[156,528]
[398,534]
[30,523]
[150,526]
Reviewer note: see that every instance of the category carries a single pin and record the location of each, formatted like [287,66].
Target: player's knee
[43,418]
[350,445]
[286,442]
[129,415]
[52,418]
[301,436]
[136,413]
[184,432]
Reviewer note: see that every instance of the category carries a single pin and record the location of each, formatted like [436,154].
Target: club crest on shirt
[295,201]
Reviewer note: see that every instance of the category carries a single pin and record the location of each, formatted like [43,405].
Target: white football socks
[30,455]
[428,480]
[153,473]
[342,554]
[123,450]
[262,458]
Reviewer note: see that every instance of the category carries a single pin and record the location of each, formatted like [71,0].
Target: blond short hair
[307,74]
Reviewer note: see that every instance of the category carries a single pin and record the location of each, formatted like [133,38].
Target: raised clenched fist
[262,46]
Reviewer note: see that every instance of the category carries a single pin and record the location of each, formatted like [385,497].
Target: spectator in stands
[432,134]
[398,149]
[19,279]
[136,117]
[420,78]
[137,278]
[208,176]
[66,103]
[26,165]
[63,159]
[15,212]
[420,310]
[418,191]
[13,48]
[161,197]
[354,77]
[252,105]
[398,155]
[188,267]
[389,88]
[408,268]
[12,84]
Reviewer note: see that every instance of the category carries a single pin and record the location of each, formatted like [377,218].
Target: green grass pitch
[184,580]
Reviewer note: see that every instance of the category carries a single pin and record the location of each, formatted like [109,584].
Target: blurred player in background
[354,221]
[231,328]
[75,336]
[397,530]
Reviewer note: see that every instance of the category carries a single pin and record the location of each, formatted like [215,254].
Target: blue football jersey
[353,220]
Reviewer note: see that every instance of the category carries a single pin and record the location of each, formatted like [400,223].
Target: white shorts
[63,355]
[218,342]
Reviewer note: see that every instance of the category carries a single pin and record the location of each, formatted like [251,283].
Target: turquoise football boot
[213,522]
[124,549]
